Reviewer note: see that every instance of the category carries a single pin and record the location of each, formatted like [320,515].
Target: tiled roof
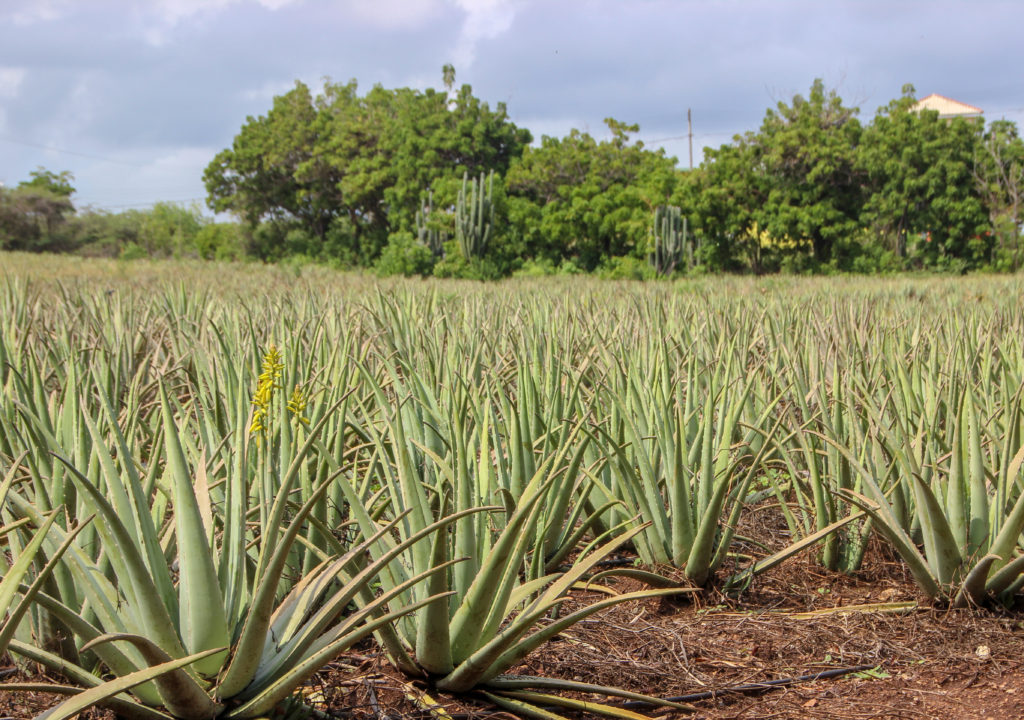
[946,107]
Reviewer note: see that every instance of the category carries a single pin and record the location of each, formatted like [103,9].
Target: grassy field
[217,479]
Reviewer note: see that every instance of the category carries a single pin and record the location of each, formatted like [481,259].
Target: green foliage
[333,177]
[34,215]
[923,203]
[999,178]
[626,268]
[168,229]
[810,155]
[455,265]
[220,241]
[580,199]
[404,255]
[544,267]
[43,180]
[312,160]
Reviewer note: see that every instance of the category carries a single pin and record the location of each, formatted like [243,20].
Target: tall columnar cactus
[431,237]
[474,215]
[669,239]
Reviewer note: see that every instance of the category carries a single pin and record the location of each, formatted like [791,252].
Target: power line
[684,137]
[131,206]
[51,148]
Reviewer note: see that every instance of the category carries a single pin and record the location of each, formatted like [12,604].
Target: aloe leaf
[1013,524]
[309,634]
[152,613]
[586,706]
[494,582]
[133,503]
[972,589]
[766,564]
[246,652]
[978,529]
[1005,576]
[276,691]
[273,559]
[10,580]
[124,708]
[940,546]
[519,708]
[902,543]
[95,695]
[481,663]
[520,648]
[529,682]
[201,620]
[15,573]
[181,694]
[433,646]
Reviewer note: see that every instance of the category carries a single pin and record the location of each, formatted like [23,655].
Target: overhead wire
[52,148]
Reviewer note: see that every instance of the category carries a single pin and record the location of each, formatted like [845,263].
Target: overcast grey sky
[136,96]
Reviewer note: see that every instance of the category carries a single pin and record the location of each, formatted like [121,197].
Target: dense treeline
[437,182]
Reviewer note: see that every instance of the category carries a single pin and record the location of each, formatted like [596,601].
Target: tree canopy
[373,179]
[348,169]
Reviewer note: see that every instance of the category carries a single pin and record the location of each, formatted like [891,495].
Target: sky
[135,97]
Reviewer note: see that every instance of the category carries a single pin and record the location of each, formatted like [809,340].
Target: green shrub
[455,265]
[220,241]
[133,251]
[404,255]
[626,268]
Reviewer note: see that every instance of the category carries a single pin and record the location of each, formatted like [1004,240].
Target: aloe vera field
[247,491]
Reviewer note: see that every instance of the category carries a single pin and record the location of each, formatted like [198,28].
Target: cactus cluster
[433,238]
[670,240]
[474,215]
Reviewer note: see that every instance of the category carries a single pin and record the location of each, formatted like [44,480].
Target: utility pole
[689,134]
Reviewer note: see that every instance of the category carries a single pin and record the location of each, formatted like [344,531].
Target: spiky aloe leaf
[98,694]
[10,582]
[182,695]
[201,620]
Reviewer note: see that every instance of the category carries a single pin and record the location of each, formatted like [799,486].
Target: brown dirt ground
[927,662]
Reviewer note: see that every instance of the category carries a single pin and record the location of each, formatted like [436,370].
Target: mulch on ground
[795,621]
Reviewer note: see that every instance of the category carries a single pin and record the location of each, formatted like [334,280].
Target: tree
[809,153]
[347,170]
[271,173]
[785,195]
[999,178]
[578,199]
[57,184]
[33,214]
[917,170]
[728,194]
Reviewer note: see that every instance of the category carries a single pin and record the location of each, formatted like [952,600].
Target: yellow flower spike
[297,405]
[273,366]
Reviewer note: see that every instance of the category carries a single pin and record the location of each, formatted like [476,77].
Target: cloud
[485,20]
[36,12]
[11,79]
[393,14]
[171,13]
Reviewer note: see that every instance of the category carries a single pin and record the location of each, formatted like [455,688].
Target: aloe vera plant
[493,618]
[970,527]
[15,599]
[541,425]
[245,658]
